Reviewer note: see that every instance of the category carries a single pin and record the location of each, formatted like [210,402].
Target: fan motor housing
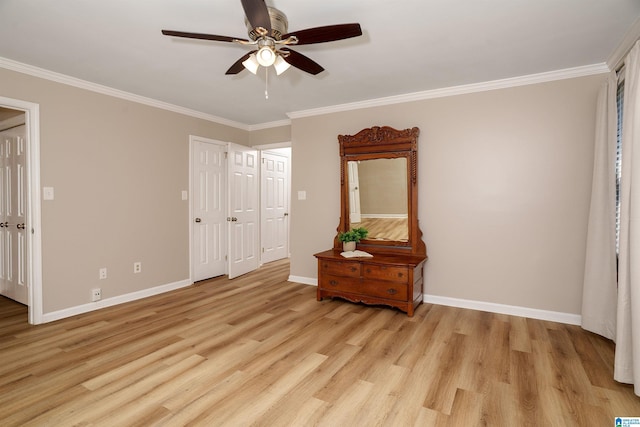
[279,25]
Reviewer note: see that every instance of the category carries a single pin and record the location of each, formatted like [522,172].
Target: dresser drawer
[352,285]
[338,283]
[388,290]
[337,268]
[383,272]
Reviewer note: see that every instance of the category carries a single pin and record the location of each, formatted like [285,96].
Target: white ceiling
[407,46]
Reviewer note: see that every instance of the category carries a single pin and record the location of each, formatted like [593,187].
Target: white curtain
[627,357]
[600,293]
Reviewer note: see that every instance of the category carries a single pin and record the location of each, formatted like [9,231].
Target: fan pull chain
[266,82]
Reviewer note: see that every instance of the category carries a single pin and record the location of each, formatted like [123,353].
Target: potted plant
[351,237]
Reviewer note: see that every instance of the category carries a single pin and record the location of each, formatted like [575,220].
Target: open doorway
[224,208]
[13,135]
[20,228]
[232,210]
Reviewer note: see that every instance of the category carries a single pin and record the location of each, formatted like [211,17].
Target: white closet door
[208,210]
[13,239]
[243,216]
[275,207]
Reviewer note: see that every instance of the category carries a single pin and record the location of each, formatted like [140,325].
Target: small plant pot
[348,246]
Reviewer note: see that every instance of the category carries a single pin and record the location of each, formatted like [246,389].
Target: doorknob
[20,226]
[198,220]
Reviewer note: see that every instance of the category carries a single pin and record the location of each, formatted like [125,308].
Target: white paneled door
[13,248]
[275,207]
[244,210]
[208,210]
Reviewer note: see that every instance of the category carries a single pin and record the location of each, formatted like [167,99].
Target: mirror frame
[383,143]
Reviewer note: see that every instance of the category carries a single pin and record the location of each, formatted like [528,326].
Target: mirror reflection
[378,199]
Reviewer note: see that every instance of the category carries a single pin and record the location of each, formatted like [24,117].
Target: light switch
[185,195]
[302,195]
[47,193]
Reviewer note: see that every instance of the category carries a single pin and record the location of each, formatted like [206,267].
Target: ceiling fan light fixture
[281,65]
[266,56]
[251,64]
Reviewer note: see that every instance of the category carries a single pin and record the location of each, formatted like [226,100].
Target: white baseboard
[303,280]
[108,302]
[532,313]
[512,310]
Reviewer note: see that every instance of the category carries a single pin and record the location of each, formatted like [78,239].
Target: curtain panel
[627,357]
[600,287]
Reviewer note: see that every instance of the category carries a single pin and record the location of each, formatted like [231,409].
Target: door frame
[193,139]
[34,218]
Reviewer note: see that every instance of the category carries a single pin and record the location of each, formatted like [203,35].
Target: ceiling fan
[267,27]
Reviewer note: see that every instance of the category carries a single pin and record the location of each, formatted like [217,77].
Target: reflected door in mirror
[354,193]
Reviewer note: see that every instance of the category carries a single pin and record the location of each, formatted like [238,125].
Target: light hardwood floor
[259,350]
[384,228]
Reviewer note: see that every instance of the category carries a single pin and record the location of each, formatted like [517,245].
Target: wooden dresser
[378,182]
[385,279]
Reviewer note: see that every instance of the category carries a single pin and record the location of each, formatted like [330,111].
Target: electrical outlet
[96,294]
[102,273]
[137,267]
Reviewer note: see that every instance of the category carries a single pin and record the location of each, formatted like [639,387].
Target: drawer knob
[353,268]
[392,291]
[333,282]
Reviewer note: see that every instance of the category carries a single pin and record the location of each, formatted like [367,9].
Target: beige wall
[504,183]
[118,169]
[383,187]
[273,135]
[504,180]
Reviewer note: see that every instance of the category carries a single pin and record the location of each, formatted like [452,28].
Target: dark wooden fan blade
[200,36]
[237,66]
[302,62]
[257,14]
[327,33]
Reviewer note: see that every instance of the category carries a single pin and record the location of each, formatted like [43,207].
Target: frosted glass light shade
[281,65]
[251,63]
[266,56]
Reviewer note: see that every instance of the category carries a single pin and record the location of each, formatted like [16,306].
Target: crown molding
[397,99]
[105,90]
[567,73]
[617,57]
[269,125]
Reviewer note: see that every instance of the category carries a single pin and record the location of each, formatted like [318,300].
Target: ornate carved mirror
[379,189]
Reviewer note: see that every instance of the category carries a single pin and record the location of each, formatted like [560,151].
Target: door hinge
[226,154]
